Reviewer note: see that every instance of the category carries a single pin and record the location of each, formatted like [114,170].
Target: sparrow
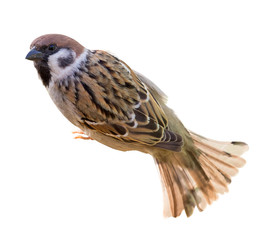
[122,109]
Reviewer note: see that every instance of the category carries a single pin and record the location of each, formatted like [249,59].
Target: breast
[63,103]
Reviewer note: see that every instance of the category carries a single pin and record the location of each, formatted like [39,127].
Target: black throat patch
[43,70]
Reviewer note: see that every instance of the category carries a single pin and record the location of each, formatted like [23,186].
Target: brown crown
[59,40]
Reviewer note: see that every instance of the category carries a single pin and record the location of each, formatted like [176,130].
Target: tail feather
[173,197]
[236,148]
[194,177]
[181,190]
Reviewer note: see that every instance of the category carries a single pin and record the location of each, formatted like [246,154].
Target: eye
[51,47]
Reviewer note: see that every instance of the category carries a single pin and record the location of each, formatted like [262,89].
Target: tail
[194,177]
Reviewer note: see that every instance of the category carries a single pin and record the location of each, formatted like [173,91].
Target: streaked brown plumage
[122,109]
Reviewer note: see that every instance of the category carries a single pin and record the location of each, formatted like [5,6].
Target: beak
[34,55]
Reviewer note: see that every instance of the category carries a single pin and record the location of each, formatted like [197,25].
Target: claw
[78,132]
[81,135]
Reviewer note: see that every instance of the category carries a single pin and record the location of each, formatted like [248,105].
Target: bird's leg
[81,135]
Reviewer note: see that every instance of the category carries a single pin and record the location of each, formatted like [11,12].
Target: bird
[113,104]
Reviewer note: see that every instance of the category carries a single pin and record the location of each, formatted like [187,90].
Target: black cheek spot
[64,62]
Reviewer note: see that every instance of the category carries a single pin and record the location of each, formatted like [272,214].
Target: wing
[112,100]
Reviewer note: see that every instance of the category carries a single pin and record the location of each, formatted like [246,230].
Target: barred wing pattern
[114,101]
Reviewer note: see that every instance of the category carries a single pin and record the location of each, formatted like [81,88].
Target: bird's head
[54,55]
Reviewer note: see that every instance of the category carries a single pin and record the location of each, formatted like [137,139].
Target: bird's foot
[81,135]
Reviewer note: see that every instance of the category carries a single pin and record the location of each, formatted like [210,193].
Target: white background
[214,60]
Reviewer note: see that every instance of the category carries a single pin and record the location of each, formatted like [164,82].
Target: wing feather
[114,101]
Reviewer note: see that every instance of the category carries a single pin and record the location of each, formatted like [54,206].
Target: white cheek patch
[60,72]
